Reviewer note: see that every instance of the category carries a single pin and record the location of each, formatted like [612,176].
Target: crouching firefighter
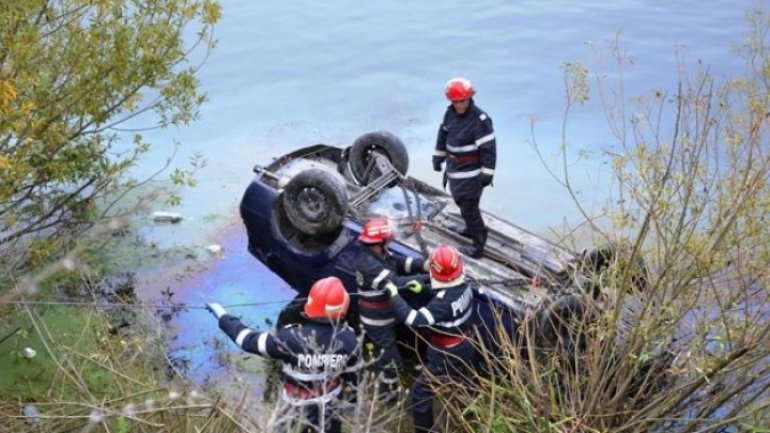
[448,317]
[376,270]
[319,357]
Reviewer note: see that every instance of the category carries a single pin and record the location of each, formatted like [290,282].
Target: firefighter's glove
[486,180]
[392,290]
[437,161]
[414,286]
[216,309]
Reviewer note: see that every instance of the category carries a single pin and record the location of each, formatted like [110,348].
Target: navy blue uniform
[318,358]
[375,272]
[450,353]
[467,143]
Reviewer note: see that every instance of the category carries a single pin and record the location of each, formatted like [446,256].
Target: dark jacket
[448,313]
[317,356]
[374,272]
[467,143]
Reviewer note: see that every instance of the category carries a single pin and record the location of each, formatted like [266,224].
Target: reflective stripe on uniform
[440,152]
[410,318]
[376,322]
[242,336]
[262,343]
[428,315]
[463,149]
[457,322]
[302,376]
[488,171]
[485,139]
[376,282]
[408,265]
[463,174]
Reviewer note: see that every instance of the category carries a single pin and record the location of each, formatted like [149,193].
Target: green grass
[31,379]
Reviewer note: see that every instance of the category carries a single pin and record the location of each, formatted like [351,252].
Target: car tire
[560,325]
[380,142]
[597,261]
[315,202]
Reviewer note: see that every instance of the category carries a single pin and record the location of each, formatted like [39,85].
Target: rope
[141,306]
[415,222]
[18,328]
[171,305]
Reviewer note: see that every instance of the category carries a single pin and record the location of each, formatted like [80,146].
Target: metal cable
[171,305]
[415,222]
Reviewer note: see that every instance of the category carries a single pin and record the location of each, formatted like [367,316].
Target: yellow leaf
[27,107]
[8,94]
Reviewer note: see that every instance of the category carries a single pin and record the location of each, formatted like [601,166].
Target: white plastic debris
[31,413]
[96,416]
[214,249]
[171,217]
[29,352]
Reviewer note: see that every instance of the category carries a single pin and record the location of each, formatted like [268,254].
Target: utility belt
[319,393]
[465,159]
[374,305]
[446,341]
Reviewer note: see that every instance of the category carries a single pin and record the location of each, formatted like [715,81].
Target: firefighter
[448,318]
[376,270]
[466,141]
[319,356]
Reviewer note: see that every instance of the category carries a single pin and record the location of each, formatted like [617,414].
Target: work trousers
[469,209]
[308,419]
[446,367]
[389,358]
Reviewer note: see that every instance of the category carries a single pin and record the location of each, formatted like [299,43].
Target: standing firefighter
[318,356]
[466,141]
[376,271]
[450,353]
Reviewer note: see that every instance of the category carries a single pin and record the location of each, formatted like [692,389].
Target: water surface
[290,74]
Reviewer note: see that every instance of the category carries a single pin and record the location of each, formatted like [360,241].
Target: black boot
[423,422]
[388,392]
[460,229]
[479,238]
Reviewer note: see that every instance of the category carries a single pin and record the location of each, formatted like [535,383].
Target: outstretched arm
[260,343]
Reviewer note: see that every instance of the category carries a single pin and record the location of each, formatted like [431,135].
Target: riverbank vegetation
[79,83]
[688,350]
[672,332]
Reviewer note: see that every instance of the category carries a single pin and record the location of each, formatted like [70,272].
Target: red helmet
[375,231]
[446,268]
[327,299]
[458,89]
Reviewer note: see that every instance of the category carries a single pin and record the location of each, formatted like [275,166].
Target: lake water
[290,74]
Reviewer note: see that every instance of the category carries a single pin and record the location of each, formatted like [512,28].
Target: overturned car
[304,213]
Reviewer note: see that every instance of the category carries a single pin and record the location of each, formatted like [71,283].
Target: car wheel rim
[312,203]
